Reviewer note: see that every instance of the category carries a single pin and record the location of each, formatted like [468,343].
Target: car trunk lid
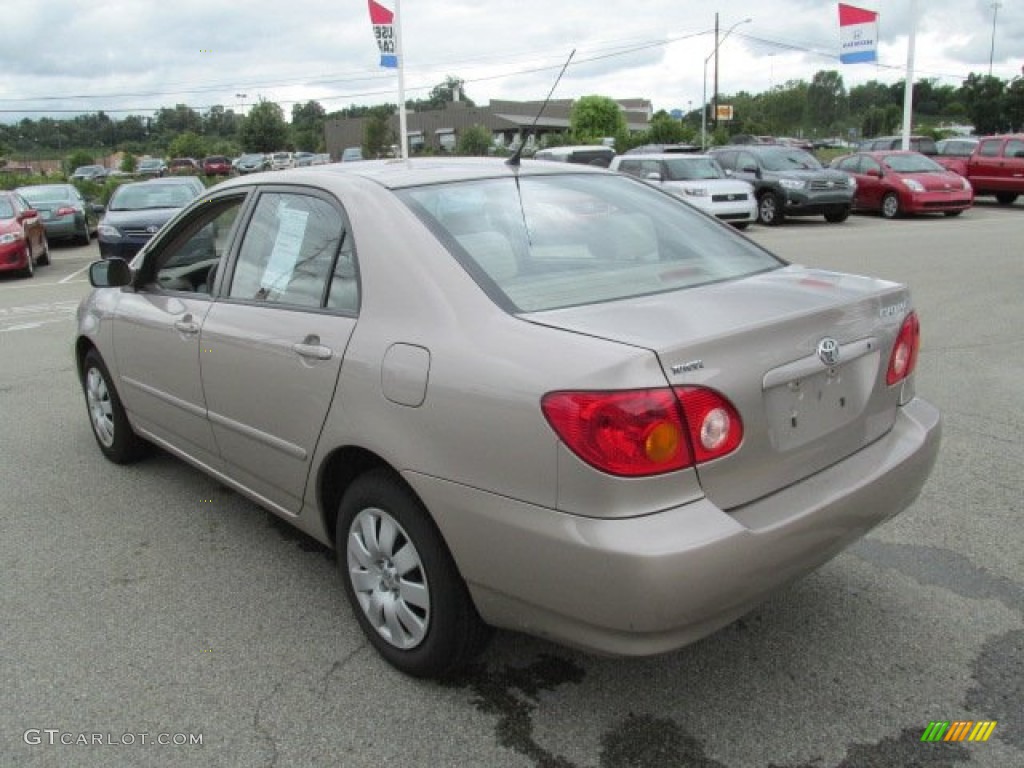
[765,343]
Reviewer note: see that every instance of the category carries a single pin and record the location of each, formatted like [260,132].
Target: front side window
[290,253]
[193,252]
[557,241]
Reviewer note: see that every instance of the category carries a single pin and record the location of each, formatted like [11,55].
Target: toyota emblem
[828,351]
[152,229]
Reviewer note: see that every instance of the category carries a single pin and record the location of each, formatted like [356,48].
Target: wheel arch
[337,472]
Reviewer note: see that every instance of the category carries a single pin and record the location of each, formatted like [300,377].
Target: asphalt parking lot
[152,617]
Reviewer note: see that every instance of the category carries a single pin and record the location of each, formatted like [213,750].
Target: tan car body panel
[445,387]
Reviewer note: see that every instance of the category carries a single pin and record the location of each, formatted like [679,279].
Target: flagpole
[404,139]
[908,87]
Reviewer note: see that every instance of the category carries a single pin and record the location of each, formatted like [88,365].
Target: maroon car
[22,236]
[898,183]
[184,166]
[217,165]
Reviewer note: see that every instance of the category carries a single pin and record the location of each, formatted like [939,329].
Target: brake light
[635,433]
[65,211]
[903,359]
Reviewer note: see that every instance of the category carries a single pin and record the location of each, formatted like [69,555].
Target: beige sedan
[545,397]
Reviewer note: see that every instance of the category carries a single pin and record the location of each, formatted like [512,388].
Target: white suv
[697,179]
[279,161]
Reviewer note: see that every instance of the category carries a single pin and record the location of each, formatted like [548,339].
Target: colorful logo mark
[958,730]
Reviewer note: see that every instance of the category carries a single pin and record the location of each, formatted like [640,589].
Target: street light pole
[704,98]
[992,49]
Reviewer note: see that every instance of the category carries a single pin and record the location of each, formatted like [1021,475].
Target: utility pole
[992,49]
[714,96]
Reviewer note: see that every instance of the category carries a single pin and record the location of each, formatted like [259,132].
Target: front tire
[891,206]
[952,213]
[107,416]
[401,581]
[29,270]
[44,259]
[769,209]
[1006,198]
[837,215]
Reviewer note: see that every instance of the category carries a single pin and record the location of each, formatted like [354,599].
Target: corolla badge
[828,351]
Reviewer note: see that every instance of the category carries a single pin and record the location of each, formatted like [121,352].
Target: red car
[898,183]
[184,166]
[216,165]
[22,236]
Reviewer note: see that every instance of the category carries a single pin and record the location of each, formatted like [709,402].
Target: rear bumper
[650,584]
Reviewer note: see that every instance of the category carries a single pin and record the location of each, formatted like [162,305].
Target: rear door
[274,341]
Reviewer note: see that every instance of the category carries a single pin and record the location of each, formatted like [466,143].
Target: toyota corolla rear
[721,422]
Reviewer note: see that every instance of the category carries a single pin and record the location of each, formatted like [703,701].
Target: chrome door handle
[187,326]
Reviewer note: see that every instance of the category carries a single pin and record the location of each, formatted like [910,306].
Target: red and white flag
[858,34]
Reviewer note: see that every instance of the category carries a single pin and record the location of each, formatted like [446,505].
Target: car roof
[398,174]
[662,156]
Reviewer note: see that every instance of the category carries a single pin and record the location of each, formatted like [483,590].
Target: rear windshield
[45,194]
[547,242]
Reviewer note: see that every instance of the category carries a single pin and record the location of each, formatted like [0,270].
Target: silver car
[547,397]
[697,179]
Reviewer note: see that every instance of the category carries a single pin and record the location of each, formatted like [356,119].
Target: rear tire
[952,213]
[83,237]
[891,206]
[1006,198]
[400,579]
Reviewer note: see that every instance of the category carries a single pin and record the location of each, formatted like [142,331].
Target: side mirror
[750,169]
[110,273]
[97,208]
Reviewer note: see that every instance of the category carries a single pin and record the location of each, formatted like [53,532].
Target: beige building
[439,130]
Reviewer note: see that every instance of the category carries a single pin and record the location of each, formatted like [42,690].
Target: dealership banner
[858,34]
[383,21]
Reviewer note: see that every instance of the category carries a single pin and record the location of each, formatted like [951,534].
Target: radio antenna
[514,160]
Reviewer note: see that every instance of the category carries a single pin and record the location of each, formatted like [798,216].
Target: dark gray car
[788,182]
[137,211]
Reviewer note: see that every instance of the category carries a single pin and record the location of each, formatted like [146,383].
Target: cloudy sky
[64,57]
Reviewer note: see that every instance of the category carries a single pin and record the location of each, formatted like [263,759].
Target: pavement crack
[263,730]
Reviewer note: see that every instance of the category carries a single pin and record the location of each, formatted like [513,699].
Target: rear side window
[990,148]
[556,241]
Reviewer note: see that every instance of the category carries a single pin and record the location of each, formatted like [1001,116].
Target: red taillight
[644,432]
[904,352]
[65,211]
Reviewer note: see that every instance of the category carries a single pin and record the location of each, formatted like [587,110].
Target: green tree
[441,94]
[264,128]
[308,125]
[377,133]
[475,141]
[78,158]
[664,129]
[1013,105]
[128,163]
[826,101]
[983,97]
[187,144]
[596,117]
